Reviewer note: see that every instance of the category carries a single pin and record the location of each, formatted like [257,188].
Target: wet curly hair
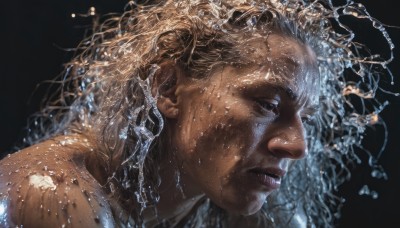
[105,93]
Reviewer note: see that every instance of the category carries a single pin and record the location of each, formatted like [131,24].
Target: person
[199,114]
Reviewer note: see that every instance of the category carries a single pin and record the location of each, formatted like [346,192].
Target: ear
[164,86]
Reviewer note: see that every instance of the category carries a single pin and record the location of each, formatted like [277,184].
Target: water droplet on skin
[74,181]
[209,107]
[97,219]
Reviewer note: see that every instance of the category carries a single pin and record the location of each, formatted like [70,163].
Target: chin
[248,205]
[252,209]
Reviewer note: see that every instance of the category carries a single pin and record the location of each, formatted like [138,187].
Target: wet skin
[238,131]
[49,185]
[234,136]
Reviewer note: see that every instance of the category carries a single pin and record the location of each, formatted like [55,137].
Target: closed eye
[269,105]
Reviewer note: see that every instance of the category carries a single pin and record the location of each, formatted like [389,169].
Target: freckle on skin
[44,182]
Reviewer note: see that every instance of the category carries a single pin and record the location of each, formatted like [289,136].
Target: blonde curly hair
[105,93]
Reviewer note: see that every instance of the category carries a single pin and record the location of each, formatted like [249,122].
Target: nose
[288,140]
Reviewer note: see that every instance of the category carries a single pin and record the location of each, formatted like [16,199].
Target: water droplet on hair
[379,174]
[364,190]
[374,195]
[124,133]
[252,21]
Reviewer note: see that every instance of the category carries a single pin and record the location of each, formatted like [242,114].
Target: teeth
[267,174]
[272,175]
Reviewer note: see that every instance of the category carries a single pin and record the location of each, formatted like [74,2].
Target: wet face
[238,131]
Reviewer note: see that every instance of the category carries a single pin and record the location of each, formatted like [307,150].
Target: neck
[176,198]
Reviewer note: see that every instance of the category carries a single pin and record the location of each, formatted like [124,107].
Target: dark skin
[62,180]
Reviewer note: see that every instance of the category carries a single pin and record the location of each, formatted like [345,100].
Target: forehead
[278,61]
[279,50]
[287,59]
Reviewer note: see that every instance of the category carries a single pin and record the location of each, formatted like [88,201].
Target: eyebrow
[287,90]
[259,85]
[310,110]
[288,60]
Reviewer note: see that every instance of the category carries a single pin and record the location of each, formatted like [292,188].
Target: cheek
[218,128]
[218,147]
[212,139]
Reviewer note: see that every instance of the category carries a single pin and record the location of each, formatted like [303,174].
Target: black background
[34,34]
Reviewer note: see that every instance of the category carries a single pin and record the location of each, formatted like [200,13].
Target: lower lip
[269,182]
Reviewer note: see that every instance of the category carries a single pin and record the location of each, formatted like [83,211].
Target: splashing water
[366,191]
[110,84]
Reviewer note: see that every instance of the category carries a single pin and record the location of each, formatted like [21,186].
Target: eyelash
[269,106]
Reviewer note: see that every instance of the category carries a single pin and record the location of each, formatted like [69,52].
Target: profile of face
[238,130]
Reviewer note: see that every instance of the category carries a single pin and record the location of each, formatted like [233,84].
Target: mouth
[268,177]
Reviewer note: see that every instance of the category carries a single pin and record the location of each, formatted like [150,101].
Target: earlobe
[167,107]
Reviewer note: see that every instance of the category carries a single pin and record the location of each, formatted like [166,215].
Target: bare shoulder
[48,185]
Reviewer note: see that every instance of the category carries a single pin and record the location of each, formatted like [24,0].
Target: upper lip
[270,171]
